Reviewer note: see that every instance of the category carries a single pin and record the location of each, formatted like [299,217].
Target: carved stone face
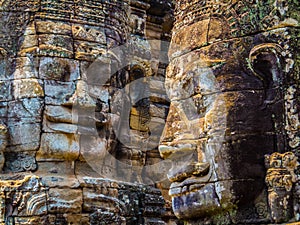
[227,91]
[61,97]
[69,98]
[47,76]
[66,89]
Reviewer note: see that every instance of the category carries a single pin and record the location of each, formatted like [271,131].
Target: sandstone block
[28,88]
[59,69]
[24,135]
[5,90]
[58,147]
[64,201]
[57,174]
[49,27]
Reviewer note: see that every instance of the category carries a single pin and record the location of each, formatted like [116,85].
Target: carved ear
[266,62]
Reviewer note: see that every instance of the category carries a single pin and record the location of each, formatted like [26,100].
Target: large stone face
[72,111]
[232,66]
[84,100]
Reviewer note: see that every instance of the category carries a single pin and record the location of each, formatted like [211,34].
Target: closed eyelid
[204,63]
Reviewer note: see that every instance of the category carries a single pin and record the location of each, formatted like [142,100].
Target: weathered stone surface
[3,144]
[70,112]
[280,180]
[73,98]
[75,219]
[58,147]
[58,174]
[58,92]
[49,27]
[25,133]
[28,88]
[5,93]
[105,198]
[20,161]
[80,219]
[158,110]
[59,69]
[64,201]
[23,196]
[232,86]
[60,45]
[26,109]
[28,220]
[26,68]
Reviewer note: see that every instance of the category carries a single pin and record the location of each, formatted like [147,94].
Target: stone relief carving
[280,180]
[22,196]
[48,50]
[231,81]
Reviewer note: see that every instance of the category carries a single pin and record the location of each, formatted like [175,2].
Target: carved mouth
[190,184]
[189,178]
[63,119]
[187,175]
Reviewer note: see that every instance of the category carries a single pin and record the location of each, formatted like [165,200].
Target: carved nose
[81,97]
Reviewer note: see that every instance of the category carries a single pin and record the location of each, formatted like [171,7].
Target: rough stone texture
[85,96]
[233,83]
[280,180]
[77,132]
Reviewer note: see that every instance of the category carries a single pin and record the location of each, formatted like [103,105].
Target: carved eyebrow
[215,62]
[205,63]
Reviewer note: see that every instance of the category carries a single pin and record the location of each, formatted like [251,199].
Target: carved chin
[197,203]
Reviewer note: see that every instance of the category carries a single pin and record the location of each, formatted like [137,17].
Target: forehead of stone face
[239,14]
[218,67]
[230,61]
[199,23]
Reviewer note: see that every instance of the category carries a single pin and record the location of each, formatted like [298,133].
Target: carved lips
[62,119]
[186,174]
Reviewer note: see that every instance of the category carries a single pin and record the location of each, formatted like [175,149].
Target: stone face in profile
[232,66]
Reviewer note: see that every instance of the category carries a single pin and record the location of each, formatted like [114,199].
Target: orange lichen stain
[16,183]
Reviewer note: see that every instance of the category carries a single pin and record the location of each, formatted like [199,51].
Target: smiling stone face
[45,55]
[64,85]
[226,81]
[63,74]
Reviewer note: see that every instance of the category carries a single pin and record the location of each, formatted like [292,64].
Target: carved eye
[262,65]
[140,99]
[65,73]
[136,73]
